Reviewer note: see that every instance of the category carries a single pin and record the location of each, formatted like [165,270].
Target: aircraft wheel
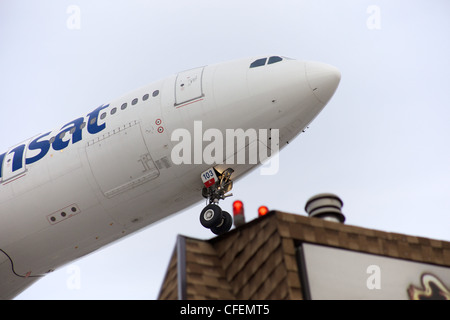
[211,216]
[225,225]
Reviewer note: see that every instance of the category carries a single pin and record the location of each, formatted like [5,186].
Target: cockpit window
[262,62]
[258,63]
[274,59]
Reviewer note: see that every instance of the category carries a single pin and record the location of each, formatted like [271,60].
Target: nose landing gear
[215,189]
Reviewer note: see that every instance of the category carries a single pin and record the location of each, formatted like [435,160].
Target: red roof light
[238,207]
[262,211]
[238,213]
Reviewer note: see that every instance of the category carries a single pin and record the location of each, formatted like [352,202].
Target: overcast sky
[382,143]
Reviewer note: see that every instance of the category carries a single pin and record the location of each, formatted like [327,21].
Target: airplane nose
[323,80]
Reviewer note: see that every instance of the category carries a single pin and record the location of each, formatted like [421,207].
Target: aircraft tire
[225,224]
[211,216]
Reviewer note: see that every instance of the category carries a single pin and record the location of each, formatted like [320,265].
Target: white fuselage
[67,192]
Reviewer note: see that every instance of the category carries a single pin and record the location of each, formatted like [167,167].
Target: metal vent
[326,206]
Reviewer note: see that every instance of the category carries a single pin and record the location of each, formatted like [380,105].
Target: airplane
[67,192]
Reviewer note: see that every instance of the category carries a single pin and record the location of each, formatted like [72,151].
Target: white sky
[381,144]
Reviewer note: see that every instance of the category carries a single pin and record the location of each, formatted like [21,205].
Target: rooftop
[259,260]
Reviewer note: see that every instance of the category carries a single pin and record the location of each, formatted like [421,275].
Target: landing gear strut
[215,189]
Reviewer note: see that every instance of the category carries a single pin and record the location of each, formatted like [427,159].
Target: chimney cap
[326,206]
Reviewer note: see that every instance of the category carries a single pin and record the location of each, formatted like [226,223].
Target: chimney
[325,206]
